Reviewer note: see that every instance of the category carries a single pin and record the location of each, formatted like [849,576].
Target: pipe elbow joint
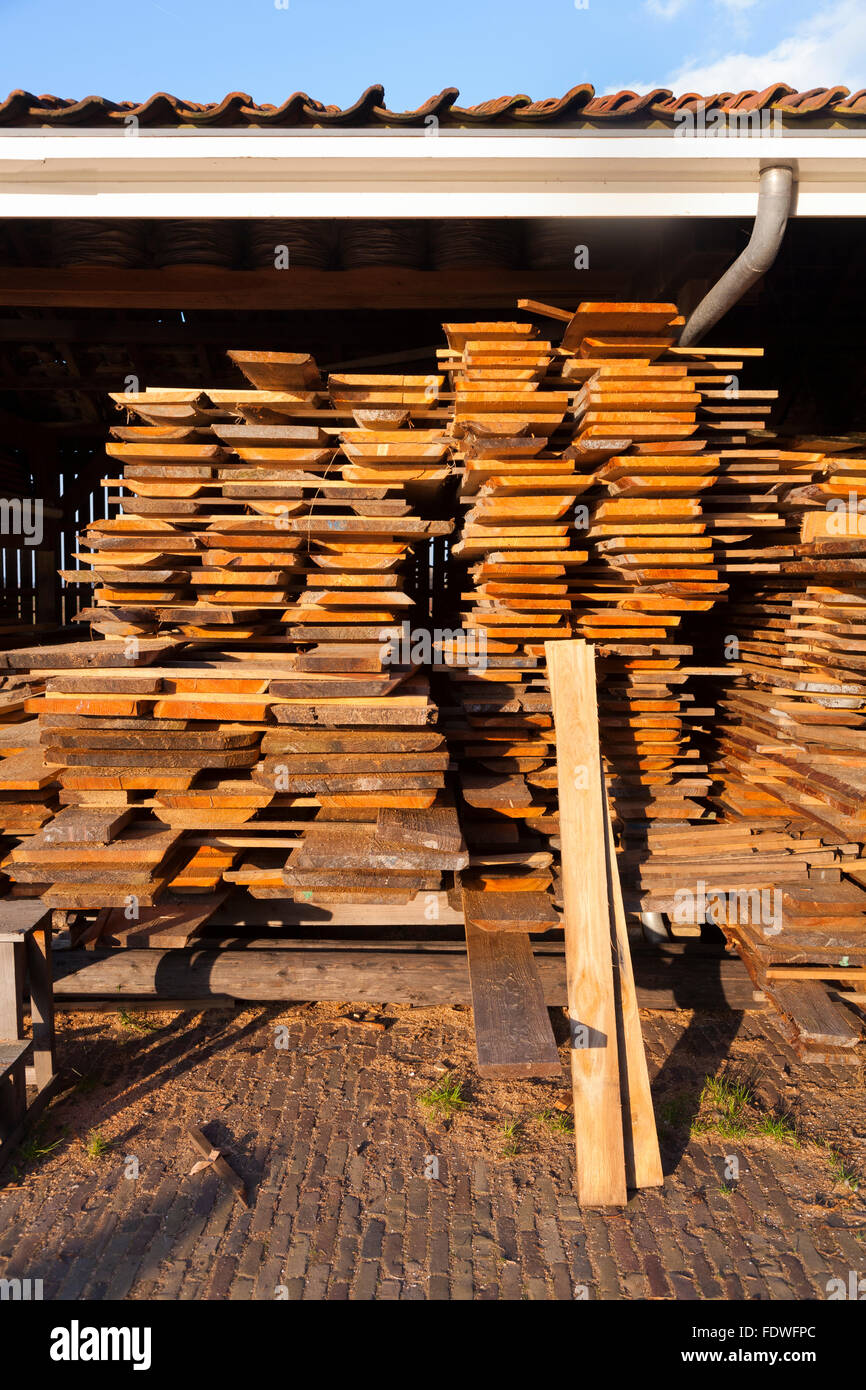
[775,198]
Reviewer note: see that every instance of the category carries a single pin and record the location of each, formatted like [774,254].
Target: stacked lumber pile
[377,768]
[250,714]
[518,546]
[256,711]
[650,517]
[608,494]
[791,742]
[653,561]
[788,899]
[28,785]
[803,655]
[672,520]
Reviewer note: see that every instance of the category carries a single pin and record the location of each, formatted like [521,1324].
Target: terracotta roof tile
[807,103]
[557,108]
[578,106]
[626,104]
[766,100]
[853,105]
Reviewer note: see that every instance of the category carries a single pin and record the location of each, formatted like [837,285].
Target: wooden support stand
[25,1062]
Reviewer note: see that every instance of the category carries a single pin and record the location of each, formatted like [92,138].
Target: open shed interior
[768,791]
[92,308]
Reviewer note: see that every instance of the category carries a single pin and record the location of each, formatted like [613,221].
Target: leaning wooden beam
[598,1129]
[513,1036]
[643,1164]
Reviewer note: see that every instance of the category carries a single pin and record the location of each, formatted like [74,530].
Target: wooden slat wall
[81,500]
[17,560]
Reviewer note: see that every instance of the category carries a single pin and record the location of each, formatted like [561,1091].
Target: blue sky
[201,49]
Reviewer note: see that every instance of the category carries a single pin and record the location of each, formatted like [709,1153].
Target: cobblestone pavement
[341,1155]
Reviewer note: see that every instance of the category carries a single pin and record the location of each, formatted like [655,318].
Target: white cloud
[826,49]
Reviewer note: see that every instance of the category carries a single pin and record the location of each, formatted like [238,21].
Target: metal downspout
[775,198]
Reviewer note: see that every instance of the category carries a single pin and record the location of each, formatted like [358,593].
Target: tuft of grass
[729,1094]
[779,1126]
[511,1134]
[843,1172]
[724,1105]
[559,1121]
[446,1097]
[96,1144]
[134,1024]
[33,1148]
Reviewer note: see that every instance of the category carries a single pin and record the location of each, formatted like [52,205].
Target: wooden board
[643,1164]
[513,1036]
[601,1174]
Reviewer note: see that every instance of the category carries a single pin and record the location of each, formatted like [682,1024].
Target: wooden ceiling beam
[373,287]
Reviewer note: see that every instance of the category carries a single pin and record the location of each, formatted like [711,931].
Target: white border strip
[413,174]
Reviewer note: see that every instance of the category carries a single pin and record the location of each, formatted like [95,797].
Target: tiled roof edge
[577,106]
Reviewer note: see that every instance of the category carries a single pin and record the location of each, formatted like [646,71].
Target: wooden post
[38,959]
[13,1081]
[598,1129]
[643,1164]
[11,989]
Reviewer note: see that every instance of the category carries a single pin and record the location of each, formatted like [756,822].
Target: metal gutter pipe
[775,199]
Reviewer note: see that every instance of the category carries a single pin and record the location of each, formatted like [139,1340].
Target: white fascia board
[186,173]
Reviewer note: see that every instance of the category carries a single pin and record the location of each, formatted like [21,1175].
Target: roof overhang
[433,173]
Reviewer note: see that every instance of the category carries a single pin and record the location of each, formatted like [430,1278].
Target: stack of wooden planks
[790,740]
[518,546]
[651,517]
[607,494]
[28,785]
[252,714]
[300,689]
[668,522]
